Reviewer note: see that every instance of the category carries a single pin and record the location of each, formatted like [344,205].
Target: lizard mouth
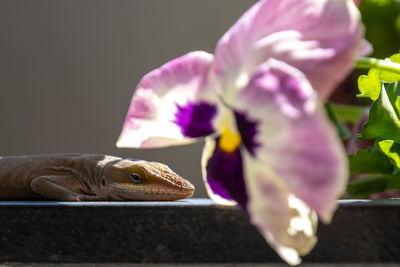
[148,194]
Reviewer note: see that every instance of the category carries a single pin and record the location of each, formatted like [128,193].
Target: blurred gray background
[68,70]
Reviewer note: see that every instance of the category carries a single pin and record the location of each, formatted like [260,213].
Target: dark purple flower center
[248,131]
[225,175]
[195,119]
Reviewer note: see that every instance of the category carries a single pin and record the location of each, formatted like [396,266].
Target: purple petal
[195,120]
[321,38]
[296,140]
[223,173]
[160,100]
[316,166]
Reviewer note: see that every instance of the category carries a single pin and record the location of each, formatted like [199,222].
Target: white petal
[151,120]
[286,222]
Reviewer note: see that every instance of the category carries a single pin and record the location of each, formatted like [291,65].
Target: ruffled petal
[285,221]
[223,174]
[292,135]
[321,38]
[172,105]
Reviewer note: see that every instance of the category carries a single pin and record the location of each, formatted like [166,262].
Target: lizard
[89,177]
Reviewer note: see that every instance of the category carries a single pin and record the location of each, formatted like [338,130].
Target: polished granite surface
[186,231]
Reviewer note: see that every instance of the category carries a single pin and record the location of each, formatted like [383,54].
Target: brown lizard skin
[86,177]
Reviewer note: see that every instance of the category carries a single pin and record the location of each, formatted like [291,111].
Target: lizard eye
[135,178]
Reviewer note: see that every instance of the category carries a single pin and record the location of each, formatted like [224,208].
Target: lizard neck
[88,168]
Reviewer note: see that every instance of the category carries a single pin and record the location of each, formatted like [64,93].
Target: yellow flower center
[229,141]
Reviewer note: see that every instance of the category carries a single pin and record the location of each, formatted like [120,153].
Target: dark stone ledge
[187,231]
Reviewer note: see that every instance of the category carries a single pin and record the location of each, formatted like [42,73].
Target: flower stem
[369,62]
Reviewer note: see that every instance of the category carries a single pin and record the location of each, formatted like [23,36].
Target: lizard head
[142,180]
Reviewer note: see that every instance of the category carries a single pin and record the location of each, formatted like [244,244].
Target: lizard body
[86,177]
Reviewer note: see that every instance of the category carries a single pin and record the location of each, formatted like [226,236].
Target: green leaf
[369,161]
[347,113]
[370,86]
[391,150]
[383,123]
[379,18]
[388,76]
[392,90]
[344,132]
[379,165]
[373,184]
[394,183]
[367,186]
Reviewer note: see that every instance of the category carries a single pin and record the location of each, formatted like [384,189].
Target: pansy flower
[257,101]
